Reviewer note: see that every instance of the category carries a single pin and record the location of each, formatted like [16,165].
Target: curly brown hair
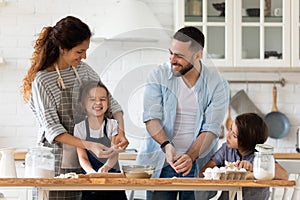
[66,34]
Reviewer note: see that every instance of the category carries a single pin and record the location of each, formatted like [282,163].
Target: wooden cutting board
[102,175]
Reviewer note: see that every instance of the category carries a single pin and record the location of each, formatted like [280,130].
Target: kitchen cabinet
[254,33]
[216,28]
[295,5]
[15,194]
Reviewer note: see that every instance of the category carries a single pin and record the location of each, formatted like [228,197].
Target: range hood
[127,20]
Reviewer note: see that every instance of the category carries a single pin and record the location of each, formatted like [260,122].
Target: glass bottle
[264,163]
[39,163]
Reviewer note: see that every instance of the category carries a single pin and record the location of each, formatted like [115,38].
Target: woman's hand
[100,150]
[120,140]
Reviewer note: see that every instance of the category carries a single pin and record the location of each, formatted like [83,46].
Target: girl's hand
[104,169]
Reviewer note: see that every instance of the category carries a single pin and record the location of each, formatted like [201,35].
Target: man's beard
[184,70]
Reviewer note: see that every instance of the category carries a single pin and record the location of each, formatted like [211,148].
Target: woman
[50,84]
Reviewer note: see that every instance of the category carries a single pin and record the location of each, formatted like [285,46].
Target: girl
[97,127]
[246,131]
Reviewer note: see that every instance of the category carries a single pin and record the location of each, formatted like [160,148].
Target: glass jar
[264,163]
[39,163]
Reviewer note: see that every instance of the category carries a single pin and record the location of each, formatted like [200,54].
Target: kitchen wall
[122,65]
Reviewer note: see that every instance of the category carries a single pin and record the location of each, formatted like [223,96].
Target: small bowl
[220,7]
[253,12]
[138,171]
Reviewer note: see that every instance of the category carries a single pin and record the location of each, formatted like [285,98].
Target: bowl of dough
[138,171]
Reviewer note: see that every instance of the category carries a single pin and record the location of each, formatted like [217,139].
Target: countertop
[294,156]
[132,156]
[122,156]
[148,183]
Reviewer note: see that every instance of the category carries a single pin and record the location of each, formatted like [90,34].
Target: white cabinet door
[251,33]
[14,194]
[215,23]
[262,29]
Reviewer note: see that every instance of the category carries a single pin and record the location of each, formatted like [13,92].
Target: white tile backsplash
[21,20]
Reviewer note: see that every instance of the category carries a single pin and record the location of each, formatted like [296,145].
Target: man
[184,106]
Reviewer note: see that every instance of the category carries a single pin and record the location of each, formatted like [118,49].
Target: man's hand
[183,164]
[170,153]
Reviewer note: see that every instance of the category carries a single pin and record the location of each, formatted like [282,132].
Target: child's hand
[104,169]
[244,164]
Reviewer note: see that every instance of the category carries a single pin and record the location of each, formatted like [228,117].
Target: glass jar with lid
[39,163]
[264,162]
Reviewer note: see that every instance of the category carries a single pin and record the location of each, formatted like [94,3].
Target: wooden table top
[44,182]
[132,156]
[122,156]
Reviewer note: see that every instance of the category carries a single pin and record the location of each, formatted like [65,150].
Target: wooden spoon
[228,121]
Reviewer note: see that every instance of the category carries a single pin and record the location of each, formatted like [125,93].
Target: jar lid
[265,148]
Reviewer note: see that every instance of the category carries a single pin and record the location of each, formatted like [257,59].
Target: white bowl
[138,171]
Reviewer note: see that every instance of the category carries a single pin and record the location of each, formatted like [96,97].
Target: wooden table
[290,162]
[44,185]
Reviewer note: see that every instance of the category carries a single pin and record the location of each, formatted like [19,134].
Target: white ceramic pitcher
[7,163]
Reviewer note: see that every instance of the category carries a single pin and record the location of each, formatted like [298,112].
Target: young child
[97,127]
[246,131]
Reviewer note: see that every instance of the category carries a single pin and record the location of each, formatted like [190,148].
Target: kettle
[7,163]
[298,140]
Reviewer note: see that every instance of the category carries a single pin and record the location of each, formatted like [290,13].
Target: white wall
[20,20]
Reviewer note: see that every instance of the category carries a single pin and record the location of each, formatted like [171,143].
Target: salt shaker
[264,163]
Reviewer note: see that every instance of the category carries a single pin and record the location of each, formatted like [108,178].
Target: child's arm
[210,164]
[84,161]
[280,172]
[110,163]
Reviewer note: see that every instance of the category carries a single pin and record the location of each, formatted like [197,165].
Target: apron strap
[60,81]
[76,74]
[87,127]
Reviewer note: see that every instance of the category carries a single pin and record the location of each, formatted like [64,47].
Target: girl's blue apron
[98,163]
